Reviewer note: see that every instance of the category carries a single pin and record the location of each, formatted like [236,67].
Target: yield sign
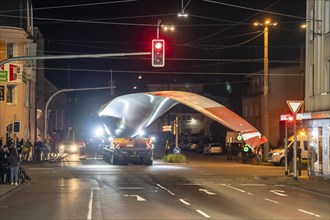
[294,105]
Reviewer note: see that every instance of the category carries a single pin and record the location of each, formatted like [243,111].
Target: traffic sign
[167,128]
[294,105]
[177,150]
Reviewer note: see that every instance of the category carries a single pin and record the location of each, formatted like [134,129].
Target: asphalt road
[203,188]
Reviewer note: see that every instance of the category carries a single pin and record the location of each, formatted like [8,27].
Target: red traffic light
[290,118]
[158,53]
[158,45]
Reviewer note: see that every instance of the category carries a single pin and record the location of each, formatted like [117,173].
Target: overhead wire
[254,9]
[218,32]
[171,72]
[76,5]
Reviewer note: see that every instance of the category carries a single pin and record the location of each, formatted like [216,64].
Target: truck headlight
[74,148]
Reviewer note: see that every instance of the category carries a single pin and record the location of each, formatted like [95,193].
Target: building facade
[316,118]
[17,84]
[285,83]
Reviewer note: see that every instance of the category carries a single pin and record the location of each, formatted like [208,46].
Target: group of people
[9,164]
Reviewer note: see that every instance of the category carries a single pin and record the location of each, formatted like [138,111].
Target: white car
[278,156]
[212,148]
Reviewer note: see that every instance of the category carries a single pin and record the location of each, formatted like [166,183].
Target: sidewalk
[315,184]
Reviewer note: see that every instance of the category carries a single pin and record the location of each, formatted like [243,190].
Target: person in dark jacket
[4,162]
[14,165]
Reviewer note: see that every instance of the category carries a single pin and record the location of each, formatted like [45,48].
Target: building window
[11,94]
[327,17]
[10,50]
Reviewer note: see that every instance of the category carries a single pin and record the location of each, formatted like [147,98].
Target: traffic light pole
[295,150]
[286,147]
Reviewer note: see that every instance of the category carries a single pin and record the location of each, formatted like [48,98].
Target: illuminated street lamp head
[168,27]
[182,14]
[266,23]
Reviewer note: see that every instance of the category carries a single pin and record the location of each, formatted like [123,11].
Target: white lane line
[309,213]
[270,200]
[184,202]
[90,205]
[206,191]
[203,213]
[240,190]
[252,184]
[130,188]
[138,198]
[278,192]
[167,190]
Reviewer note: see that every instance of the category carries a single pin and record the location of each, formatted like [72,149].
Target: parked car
[213,148]
[277,156]
[68,147]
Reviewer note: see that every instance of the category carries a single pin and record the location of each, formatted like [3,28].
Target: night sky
[213,45]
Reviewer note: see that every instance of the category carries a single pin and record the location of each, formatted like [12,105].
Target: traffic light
[158,53]
[17,126]
[290,117]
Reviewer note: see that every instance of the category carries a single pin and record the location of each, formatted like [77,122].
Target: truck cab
[136,150]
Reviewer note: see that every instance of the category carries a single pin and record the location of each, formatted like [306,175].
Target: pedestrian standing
[14,166]
[229,152]
[1,142]
[37,150]
[299,160]
[4,154]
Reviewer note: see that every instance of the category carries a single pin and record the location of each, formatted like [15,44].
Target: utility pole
[266,25]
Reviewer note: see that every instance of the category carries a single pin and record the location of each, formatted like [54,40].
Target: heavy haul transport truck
[136,150]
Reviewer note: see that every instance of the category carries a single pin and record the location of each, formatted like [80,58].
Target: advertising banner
[14,72]
[3,76]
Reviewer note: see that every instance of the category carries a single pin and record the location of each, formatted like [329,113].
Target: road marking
[207,191]
[130,188]
[278,192]
[309,213]
[252,184]
[203,213]
[162,187]
[138,198]
[184,202]
[90,205]
[240,190]
[272,201]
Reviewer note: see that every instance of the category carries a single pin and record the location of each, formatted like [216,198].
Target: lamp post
[266,24]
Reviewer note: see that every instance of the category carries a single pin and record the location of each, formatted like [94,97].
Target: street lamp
[266,25]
